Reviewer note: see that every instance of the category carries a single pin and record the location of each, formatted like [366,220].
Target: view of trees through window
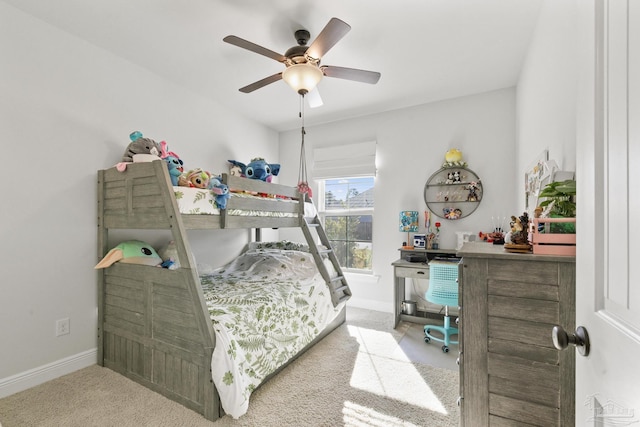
[348,218]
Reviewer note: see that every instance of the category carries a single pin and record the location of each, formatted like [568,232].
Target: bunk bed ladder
[337,285]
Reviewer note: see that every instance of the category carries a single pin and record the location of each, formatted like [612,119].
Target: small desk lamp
[409,224]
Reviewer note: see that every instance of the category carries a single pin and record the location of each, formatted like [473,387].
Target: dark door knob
[561,339]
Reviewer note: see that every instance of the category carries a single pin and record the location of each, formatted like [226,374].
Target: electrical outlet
[62,327]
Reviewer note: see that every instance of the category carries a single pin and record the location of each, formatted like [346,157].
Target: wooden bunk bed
[153,323]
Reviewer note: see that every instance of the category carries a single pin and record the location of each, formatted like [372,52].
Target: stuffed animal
[221,192]
[303,187]
[258,168]
[175,165]
[196,178]
[453,155]
[164,150]
[131,252]
[140,145]
[235,170]
[453,158]
[170,256]
[176,168]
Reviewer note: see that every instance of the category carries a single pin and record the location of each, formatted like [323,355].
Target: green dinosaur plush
[131,252]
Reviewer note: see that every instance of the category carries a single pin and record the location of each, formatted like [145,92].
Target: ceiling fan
[303,70]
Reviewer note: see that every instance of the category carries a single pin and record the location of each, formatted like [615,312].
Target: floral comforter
[265,306]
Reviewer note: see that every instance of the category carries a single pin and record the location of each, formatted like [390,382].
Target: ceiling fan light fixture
[302,78]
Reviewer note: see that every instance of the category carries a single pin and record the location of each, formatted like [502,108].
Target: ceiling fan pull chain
[303,185]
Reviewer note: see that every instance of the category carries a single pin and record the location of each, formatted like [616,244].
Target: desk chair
[443,290]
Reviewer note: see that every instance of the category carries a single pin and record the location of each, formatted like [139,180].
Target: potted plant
[560,203]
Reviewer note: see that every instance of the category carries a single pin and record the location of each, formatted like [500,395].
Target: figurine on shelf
[473,195]
[452,213]
[449,178]
[519,232]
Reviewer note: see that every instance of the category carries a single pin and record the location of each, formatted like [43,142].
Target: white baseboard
[385,307]
[42,374]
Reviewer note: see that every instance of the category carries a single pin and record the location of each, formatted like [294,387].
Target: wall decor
[453,192]
[538,174]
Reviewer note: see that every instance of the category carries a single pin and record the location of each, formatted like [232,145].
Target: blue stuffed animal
[175,168]
[258,168]
[221,192]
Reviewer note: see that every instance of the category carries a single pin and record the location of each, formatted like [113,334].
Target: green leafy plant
[562,195]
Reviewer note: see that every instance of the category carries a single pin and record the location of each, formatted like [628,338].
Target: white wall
[66,110]
[547,90]
[411,146]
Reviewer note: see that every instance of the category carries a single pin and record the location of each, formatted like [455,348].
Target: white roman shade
[348,160]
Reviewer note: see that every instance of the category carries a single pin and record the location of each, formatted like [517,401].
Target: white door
[608,176]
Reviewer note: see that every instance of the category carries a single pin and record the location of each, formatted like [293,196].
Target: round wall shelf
[453,192]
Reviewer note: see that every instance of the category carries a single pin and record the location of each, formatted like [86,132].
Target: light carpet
[354,377]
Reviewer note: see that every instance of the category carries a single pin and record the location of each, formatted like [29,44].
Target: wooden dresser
[510,372]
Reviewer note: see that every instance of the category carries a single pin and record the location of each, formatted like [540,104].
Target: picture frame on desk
[408,224]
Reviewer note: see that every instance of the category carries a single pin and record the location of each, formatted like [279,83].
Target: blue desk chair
[443,290]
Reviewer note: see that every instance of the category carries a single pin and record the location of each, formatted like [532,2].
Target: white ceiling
[426,50]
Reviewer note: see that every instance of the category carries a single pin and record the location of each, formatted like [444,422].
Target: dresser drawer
[416,273]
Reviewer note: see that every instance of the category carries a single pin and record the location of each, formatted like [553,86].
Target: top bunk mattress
[198,201]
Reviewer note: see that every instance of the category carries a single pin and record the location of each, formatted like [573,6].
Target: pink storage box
[553,243]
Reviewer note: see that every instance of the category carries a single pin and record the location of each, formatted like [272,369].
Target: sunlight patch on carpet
[378,374]
[361,416]
[377,342]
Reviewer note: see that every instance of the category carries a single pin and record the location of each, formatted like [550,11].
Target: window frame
[323,213]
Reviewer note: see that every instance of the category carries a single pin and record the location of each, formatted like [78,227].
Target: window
[346,208]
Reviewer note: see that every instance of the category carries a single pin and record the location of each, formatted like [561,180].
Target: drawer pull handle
[420,272]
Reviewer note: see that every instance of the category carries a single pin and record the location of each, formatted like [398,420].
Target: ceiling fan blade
[313,98]
[261,83]
[328,37]
[237,41]
[363,76]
